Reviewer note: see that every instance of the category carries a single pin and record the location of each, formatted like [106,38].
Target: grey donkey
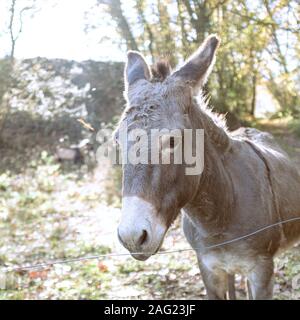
[247,182]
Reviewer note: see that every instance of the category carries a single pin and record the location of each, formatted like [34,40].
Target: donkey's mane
[160,71]
[218,119]
[213,123]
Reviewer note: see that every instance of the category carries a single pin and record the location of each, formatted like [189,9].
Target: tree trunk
[11,31]
[184,35]
[4,104]
[253,101]
[116,12]
[140,7]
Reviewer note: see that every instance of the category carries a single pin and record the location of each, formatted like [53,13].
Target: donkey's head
[154,193]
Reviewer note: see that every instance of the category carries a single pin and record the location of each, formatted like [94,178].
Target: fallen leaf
[102,267]
[40,274]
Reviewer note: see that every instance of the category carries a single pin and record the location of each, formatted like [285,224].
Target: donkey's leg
[231,287]
[249,292]
[261,279]
[216,283]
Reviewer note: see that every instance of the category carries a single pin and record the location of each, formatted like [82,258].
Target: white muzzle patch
[140,229]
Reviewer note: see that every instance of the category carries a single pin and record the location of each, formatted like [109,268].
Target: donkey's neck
[213,199]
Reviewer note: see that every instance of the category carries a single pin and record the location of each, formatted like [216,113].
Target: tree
[17,11]
[116,12]
[253,50]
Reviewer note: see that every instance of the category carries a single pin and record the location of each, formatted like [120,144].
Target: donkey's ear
[198,67]
[136,68]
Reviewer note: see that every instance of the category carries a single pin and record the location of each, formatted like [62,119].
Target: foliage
[55,88]
[41,90]
[113,187]
[5,84]
[295,127]
[288,98]
[4,77]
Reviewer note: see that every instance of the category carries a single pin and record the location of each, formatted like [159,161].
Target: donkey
[247,182]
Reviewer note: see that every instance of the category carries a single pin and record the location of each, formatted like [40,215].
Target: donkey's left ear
[136,68]
[198,67]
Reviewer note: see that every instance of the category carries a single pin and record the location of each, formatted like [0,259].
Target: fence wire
[111,255]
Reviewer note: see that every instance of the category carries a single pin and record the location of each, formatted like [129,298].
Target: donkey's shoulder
[262,138]
[266,148]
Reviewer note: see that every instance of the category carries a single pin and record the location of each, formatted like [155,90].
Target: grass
[34,216]
[45,216]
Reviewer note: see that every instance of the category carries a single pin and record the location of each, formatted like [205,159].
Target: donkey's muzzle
[140,230]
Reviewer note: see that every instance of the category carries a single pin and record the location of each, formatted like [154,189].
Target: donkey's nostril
[143,237]
[132,240]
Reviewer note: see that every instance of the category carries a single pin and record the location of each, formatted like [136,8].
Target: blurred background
[61,80]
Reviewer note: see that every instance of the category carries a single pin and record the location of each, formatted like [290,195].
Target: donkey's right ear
[136,68]
[198,67]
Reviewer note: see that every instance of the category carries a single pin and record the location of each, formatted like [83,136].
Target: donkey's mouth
[146,256]
[141,230]
[141,257]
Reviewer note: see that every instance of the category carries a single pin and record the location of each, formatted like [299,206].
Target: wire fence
[111,255]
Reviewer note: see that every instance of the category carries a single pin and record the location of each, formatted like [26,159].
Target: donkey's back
[284,180]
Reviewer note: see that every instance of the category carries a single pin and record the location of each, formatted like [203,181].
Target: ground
[49,212]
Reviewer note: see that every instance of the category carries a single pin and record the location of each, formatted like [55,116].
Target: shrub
[295,127]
